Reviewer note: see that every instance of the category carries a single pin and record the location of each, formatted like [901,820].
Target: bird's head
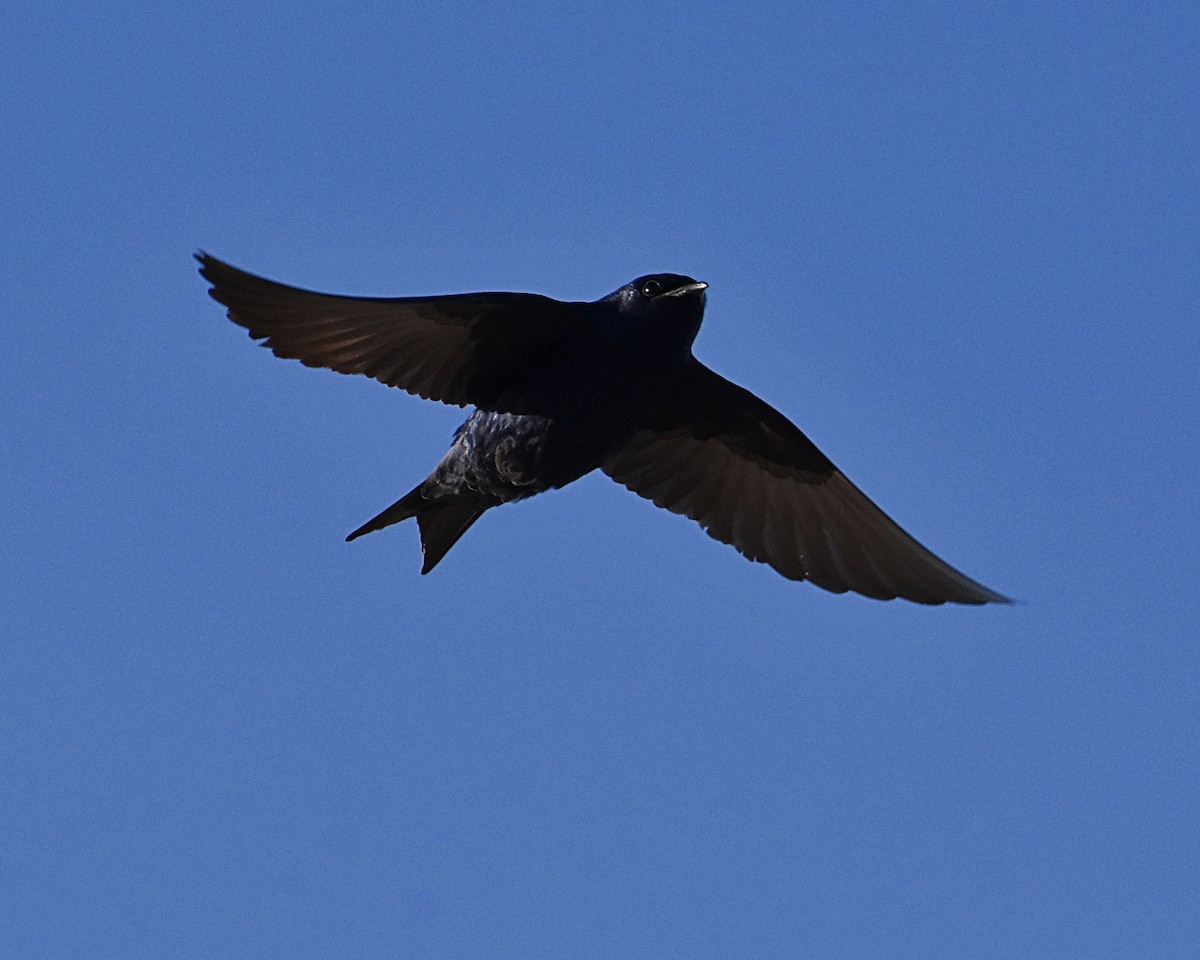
[665,305]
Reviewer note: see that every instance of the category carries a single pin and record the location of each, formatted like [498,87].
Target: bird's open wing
[475,348]
[718,454]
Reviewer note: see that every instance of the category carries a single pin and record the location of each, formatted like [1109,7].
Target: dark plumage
[561,389]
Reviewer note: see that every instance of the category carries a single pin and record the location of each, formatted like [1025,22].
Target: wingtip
[985,595]
[209,265]
[361,531]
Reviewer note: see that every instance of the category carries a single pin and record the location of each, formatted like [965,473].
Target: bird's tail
[441,523]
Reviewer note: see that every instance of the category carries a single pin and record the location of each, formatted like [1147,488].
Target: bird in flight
[562,389]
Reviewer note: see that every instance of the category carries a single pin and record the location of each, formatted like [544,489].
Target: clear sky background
[958,244]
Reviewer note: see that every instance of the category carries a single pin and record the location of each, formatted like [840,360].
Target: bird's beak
[686,289]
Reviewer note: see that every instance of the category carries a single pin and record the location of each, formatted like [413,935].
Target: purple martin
[561,389]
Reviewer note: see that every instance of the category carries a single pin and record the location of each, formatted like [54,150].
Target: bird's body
[562,389]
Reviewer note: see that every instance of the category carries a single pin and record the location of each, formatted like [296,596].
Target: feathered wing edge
[717,454]
[463,349]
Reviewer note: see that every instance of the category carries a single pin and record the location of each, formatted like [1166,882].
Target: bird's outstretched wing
[474,348]
[716,453]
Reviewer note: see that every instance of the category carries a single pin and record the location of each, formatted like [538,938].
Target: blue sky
[957,244]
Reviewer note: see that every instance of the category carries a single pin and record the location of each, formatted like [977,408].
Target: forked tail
[441,523]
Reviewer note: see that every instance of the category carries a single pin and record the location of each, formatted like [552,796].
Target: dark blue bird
[561,389]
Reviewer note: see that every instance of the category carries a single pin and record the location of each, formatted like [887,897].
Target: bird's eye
[651,288]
